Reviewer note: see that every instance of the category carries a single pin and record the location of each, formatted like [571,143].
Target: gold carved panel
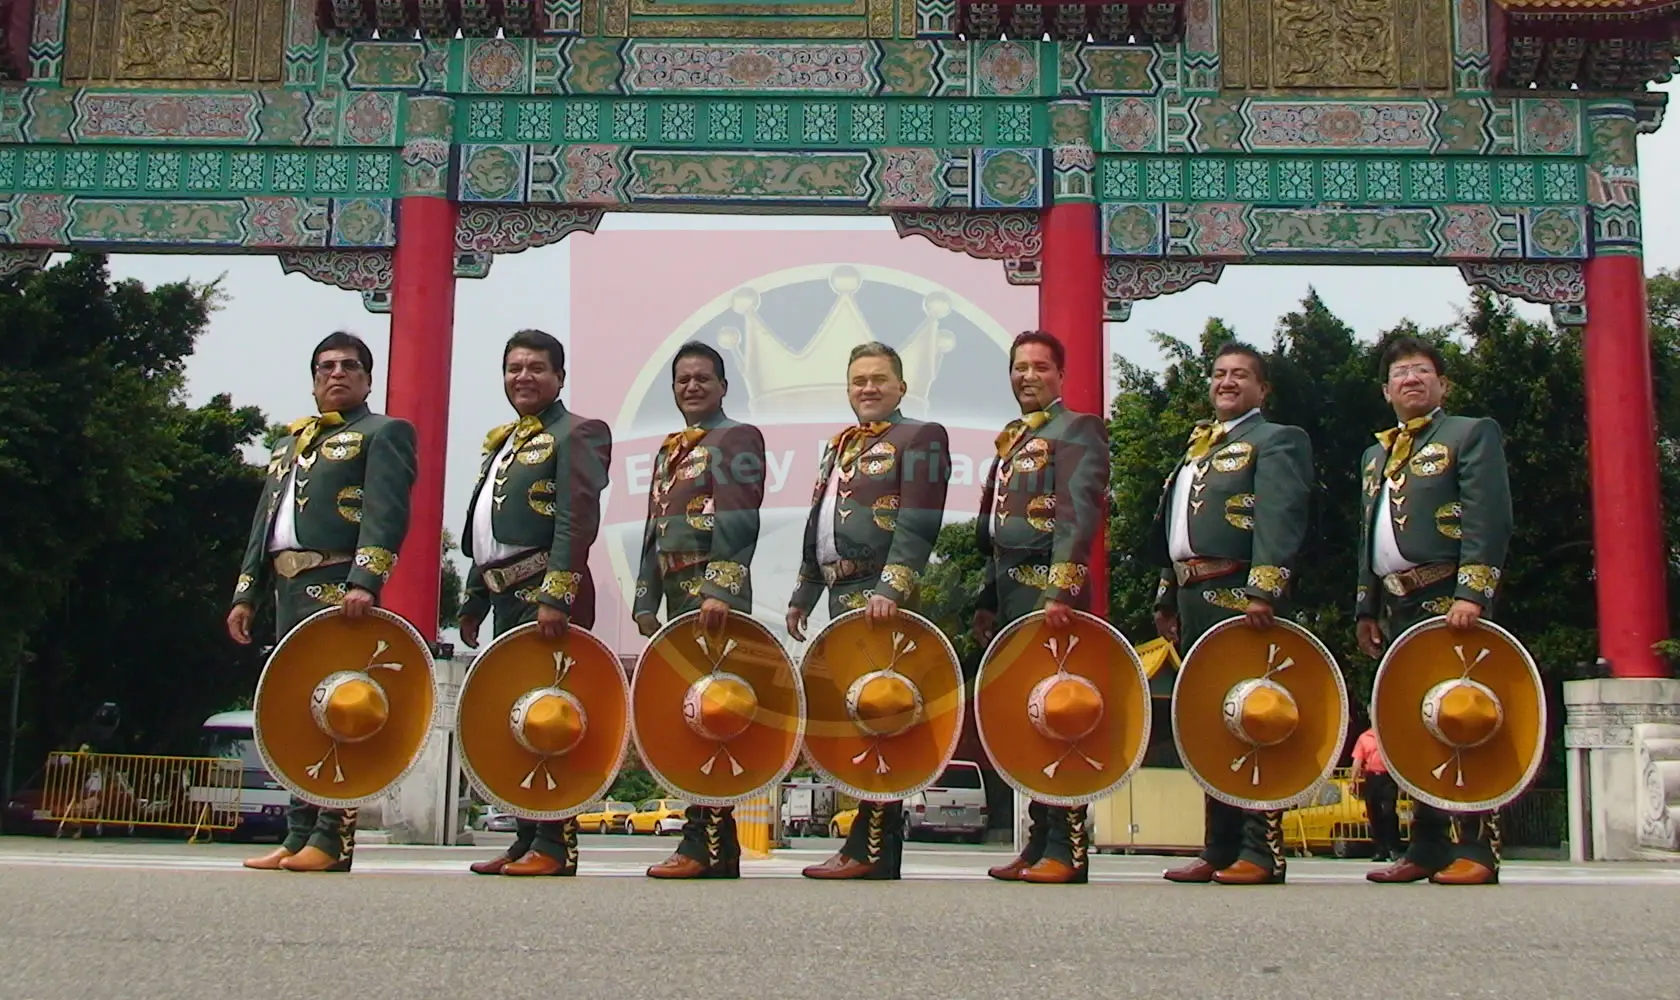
[1343,47]
[175,43]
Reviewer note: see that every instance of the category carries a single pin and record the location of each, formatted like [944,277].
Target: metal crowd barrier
[198,794]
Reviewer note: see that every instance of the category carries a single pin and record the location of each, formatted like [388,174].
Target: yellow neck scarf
[848,444]
[522,430]
[671,453]
[1397,441]
[1204,437]
[1018,428]
[308,429]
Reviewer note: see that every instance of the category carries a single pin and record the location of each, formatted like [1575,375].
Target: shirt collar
[1433,415]
[1229,424]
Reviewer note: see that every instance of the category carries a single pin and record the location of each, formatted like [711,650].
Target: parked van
[954,805]
[262,800]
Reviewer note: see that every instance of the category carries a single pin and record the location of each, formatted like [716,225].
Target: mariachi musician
[875,515]
[529,542]
[1040,514]
[1230,525]
[1436,523]
[697,550]
[358,467]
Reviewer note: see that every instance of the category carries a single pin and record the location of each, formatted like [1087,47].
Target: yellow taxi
[1336,823]
[657,816]
[841,824]
[605,817]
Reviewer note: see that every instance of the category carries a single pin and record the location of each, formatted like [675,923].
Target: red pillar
[417,389]
[1622,443]
[1070,305]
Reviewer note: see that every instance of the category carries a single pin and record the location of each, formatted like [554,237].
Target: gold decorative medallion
[1234,457]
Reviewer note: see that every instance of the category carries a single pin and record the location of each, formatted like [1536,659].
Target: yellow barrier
[200,794]
[753,823]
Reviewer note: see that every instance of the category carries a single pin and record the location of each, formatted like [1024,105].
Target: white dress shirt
[283,537]
[1385,548]
[1178,519]
[486,549]
[827,553]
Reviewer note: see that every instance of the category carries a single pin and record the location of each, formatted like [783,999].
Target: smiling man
[358,467]
[1434,529]
[1041,511]
[534,515]
[1230,524]
[697,550]
[875,514]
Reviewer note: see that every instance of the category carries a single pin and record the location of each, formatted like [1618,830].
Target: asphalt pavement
[118,918]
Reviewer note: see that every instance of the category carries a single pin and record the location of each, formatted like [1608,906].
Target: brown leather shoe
[1245,872]
[1010,872]
[842,867]
[1049,871]
[313,859]
[1400,871]
[537,863]
[492,867]
[1196,871]
[1466,872]
[682,866]
[269,862]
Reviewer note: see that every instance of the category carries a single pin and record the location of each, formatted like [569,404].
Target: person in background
[1381,794]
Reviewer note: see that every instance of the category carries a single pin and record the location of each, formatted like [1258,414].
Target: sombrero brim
[1016,661]
[848,757]
[512,777]
[291,744]
[694,768]
[1492,774]
[1276,777]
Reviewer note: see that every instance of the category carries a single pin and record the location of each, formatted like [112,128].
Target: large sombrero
[1460,715]
[717,716]
[1063,713]
[543,724]
[883,704]
[1259,715]
[344,707]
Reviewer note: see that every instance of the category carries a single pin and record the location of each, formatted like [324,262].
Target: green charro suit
[702,529]
[1044,504]
[889,505]
[1248,506]
[1450,505]
[353,473]
[552,527]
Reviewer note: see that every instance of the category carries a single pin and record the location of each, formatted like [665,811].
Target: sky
[257,345]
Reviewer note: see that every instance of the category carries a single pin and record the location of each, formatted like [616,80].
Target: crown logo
[810,383]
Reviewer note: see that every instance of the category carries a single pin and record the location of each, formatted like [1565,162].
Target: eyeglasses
[349,366]
[1402,371]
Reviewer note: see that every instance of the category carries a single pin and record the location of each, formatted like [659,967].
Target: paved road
[113,919]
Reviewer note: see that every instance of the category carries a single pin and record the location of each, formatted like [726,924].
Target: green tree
[449,586]
[124,509]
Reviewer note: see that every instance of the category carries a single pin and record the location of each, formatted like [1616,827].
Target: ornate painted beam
[481,232]
[1142,23]
[1561,285]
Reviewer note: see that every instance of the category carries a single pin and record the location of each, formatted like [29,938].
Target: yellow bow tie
[1203,438]
[1397,441]
[1018,428]
[848,444]
[522,430]
[308,429]
[674,449]
[679,444]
